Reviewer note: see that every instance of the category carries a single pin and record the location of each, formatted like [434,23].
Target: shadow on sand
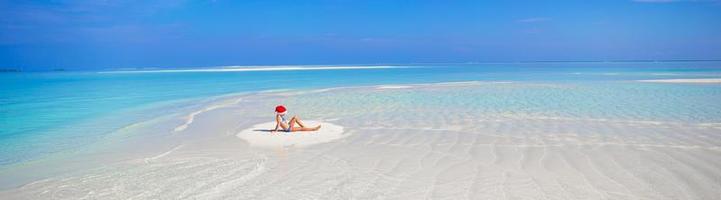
[265,130]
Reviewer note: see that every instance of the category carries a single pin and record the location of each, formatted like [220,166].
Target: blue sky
[91,34]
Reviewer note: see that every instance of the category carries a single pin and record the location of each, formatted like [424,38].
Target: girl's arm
[277,123]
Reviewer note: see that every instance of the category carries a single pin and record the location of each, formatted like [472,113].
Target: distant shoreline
[367,64]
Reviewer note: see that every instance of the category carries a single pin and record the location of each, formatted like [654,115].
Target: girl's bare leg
[297,120]
[293,128]
[291,124]
[308,129]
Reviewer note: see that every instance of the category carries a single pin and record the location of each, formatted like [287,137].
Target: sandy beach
[400,142]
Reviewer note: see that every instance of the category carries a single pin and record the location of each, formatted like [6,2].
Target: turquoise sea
[43,113]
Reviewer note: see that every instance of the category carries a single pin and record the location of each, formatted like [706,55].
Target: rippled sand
[412,142]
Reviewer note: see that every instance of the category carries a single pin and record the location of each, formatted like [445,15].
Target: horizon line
[331,66]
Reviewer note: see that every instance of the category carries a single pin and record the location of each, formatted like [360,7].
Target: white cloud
[533,20]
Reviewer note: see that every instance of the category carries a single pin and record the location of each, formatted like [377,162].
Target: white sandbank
[258,68]
[451,84]
[393,87]
[260,135]
[697,80]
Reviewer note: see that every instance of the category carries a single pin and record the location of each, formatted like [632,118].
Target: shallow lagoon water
[500,119]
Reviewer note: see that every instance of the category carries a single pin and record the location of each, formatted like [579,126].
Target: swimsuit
[282,117]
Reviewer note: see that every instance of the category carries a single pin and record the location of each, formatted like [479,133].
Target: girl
[289,125]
